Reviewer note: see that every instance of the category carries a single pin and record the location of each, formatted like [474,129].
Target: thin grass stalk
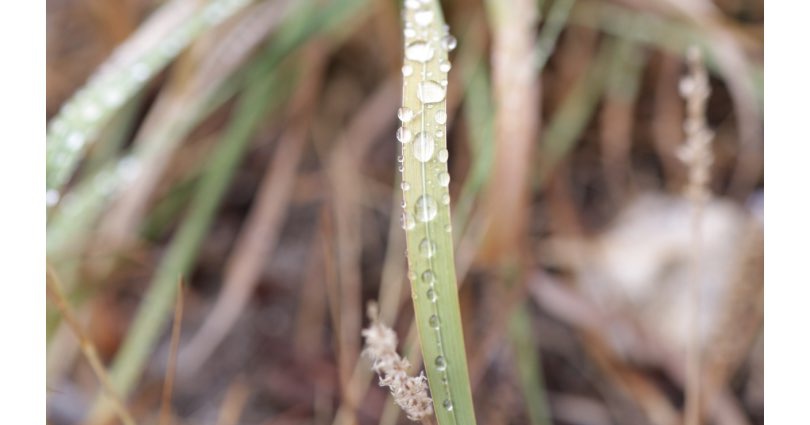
[426,210]
[530,371]
[88,349]
[171,366]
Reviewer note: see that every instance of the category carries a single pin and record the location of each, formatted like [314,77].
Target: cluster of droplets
[112,85]
[422,138]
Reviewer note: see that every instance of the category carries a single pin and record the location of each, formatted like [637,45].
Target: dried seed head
[409,392]
[696,152]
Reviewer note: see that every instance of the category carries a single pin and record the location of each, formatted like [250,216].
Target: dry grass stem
[88,348]
[696,154]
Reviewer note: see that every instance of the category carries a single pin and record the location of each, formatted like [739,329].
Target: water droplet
[448,405]
[428,277]
[412,4]
[405,186]
[113,98]
[446,199]
[443,83]
[423,147]
[440,363]
[407,70]
[423,18]
[405,114]
[430,92]
[449,42]
[52,197]
[427,248]
[411,275]
[443,155]
[403,204]
[426,208]
[444,66]
[407,221]
[140,72]
[440,116]
[409,33]
[91,112]
[444,179]
[434,321]
[431,295]
[400,159]
[403,135]
[75,140]
[419,51]
[448,228]
[439,133]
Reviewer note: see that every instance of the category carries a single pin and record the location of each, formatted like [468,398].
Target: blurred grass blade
[563,130]
[552,27]
[426,216]
[528,365]
[131,66]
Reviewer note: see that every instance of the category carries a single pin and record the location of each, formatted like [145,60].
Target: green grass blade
[528,366]
[426,215]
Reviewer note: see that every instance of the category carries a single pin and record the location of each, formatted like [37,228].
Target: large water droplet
[431,295]
[444,66]
[405,114]
[407,221]
[440,363]
[430,92]
[428,277]
[427,248]
[426,208]
[443,155]
[440,116]
[423,147]
[419,51]
[423,17]
[434,321]
[448,405]
[449,42]
[403,135]
[405,186]
[407,70]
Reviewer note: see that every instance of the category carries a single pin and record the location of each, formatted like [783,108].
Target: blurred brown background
[301,98]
